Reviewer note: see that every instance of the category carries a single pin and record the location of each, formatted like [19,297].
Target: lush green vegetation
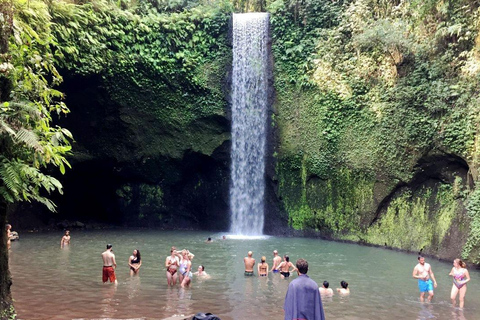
[367,89]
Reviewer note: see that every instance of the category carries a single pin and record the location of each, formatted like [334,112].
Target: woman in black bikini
[284,267]
[134,262]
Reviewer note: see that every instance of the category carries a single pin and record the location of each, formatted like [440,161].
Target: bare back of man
[109,265]
[276,261]
[249,263]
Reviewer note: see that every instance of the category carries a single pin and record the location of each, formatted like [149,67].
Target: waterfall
[249,119]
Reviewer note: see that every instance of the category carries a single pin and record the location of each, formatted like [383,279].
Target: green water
[51,283]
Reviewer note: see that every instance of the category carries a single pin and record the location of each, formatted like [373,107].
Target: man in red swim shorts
[109,265]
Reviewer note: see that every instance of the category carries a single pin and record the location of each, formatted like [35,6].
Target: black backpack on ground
[205,316]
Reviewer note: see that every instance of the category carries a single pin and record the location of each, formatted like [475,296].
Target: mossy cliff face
[147,91]
[377,121]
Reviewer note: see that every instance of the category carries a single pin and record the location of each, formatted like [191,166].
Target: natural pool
[54,283]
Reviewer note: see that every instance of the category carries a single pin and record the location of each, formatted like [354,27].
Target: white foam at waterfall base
[249,115]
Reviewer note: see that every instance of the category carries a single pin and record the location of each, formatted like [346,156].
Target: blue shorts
[276,271]
[425,286]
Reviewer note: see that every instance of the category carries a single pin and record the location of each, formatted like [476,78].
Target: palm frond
[29,138]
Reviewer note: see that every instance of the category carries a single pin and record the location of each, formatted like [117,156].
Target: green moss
[415,221]
[338,204]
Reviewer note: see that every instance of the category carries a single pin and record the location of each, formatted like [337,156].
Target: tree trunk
[6,306]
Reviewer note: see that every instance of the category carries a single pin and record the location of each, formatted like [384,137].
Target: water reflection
[381,282]
[108,301]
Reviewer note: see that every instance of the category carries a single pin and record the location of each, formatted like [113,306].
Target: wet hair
[263,258]
[302,266]
[109,246]
[461,263]
[344,284]
[138,255]
[209,239]
[203,268]
[326,284]
[287,258]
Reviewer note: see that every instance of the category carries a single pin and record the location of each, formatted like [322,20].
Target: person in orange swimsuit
[109,265]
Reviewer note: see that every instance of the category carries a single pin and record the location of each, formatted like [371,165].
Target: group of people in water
[178,266]
[426,280]
[285,268]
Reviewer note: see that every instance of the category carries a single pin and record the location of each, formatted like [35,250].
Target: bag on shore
[205,316]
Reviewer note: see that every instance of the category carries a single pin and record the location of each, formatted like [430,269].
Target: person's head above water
[302,266]
[250,253]
[287,258]
[325,284]
[344,284]
[109,246]
[263,258]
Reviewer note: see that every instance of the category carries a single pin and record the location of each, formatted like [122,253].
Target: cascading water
[249,118]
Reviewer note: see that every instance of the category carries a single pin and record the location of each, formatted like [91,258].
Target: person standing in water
[423,272]
[276,261]
[284,267]
[172,263]
[249,263]
[135,262]
[185,269]
[8,228]
[262,268]
[109,265]
[65,239]
[460,276]
[303,299]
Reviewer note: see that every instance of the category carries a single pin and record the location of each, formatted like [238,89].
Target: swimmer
[344,290]
[276,261]
[65,239]
[325,290]
[249,263]
[284,267]
[201,273]
[135,262]
[208,240]
[262,268]
[172,263]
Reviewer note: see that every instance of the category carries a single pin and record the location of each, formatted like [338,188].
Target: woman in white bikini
[460,278]
[184,269]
